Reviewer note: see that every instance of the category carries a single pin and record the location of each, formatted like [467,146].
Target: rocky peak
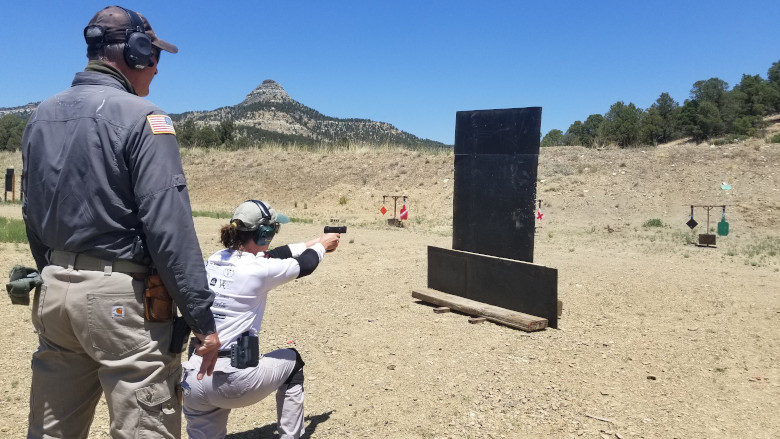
[268,91]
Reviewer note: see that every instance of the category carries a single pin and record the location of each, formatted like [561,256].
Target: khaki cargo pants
[94,340]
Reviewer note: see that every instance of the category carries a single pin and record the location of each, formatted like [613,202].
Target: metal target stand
[394,221]
[708,239]
[538,215]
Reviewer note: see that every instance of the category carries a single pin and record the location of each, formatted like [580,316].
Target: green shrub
[730,139]
[774,139]
[765,247]
[343,200]
[655,222]
[12,230]
[687,238]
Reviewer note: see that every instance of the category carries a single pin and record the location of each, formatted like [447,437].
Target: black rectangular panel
[496,161]
[502,131]
[514,285]
[447,271]
[9,179]
[493,205]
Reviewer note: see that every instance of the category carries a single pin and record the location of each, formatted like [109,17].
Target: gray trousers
[207,403]
[94,340]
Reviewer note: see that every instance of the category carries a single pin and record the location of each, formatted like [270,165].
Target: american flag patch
[161,124]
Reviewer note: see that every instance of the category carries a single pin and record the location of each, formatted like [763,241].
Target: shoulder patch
[160,124]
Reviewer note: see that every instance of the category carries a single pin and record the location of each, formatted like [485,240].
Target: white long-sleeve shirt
[241,282]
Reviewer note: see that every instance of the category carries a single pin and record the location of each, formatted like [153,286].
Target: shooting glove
[21,281]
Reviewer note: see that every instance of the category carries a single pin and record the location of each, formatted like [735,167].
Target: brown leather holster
[158,305]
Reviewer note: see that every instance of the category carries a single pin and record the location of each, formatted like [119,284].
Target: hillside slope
[579,188]
[269,113]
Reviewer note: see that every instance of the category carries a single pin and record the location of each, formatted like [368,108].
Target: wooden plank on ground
[441,309]
[503,316]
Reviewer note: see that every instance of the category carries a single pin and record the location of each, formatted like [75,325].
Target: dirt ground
[659,338]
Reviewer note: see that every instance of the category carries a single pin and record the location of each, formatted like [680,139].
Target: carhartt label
[117,311]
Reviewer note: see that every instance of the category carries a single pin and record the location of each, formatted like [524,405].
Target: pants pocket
[160,408]
[37,309]
[116,323]
[232,385]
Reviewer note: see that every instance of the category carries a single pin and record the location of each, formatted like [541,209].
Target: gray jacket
[97,180]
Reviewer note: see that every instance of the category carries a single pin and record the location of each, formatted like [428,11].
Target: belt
[220,354]
[81,261]
[224,353]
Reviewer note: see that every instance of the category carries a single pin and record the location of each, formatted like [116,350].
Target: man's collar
[107,69]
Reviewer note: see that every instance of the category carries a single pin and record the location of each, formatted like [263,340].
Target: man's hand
[330,241]
[207,346]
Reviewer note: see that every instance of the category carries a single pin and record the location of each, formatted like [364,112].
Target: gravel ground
[658,338]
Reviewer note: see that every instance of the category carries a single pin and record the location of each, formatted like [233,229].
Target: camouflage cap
[115,21]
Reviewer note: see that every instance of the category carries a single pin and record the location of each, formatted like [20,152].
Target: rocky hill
[22,111]
[269,114]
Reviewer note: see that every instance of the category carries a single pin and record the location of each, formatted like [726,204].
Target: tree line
[711,111]
[11,129]
[191,134]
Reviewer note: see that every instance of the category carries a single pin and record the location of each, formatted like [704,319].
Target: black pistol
[335,229]
[181,332]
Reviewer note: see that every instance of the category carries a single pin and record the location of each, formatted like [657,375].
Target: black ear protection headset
[265,232]
[138,45]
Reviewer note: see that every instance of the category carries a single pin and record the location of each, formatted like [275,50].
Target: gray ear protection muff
[265,232]
[138,45]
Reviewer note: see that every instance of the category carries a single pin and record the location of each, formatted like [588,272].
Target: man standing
[105,205]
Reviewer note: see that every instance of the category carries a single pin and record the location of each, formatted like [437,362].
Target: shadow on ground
[267,431]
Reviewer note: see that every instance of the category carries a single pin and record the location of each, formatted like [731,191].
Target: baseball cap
[254,213]
[115,21]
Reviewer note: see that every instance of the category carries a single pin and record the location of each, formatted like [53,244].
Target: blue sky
[413,64]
